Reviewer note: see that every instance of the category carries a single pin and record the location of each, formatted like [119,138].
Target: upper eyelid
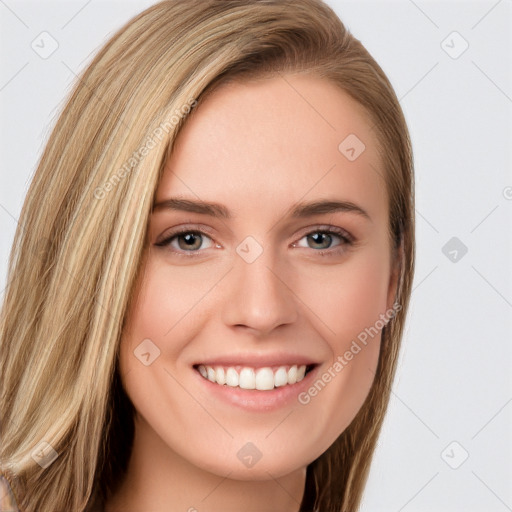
[183,230]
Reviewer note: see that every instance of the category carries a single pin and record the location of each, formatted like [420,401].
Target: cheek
[166,310]
[348,298]
[349,304]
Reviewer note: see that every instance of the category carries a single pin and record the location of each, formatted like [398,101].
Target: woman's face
[289,269]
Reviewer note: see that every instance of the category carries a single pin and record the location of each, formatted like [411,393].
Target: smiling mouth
[245,377]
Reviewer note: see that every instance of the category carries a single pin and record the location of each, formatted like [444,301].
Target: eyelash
[346,240]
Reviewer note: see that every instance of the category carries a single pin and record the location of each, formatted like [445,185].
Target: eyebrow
[298,211]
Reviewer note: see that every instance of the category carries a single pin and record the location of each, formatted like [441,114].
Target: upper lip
[257,360]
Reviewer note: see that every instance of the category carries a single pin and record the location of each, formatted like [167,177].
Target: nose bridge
[259,297]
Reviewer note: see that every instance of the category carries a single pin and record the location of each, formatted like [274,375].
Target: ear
[396,268]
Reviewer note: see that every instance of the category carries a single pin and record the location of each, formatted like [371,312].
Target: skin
[258,148]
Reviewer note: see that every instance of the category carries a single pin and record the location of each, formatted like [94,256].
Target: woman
[209,284]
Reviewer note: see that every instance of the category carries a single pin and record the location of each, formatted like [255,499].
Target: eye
[323,239]
[186,240]
[192,241]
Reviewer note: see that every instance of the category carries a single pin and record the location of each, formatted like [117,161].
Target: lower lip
[256,400]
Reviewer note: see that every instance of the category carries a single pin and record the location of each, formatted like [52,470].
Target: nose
[259,298]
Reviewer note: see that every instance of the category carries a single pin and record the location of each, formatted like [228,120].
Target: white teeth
[281,377]
[220,375]
[232,378]
[263,379]
[247,379]
[292,375]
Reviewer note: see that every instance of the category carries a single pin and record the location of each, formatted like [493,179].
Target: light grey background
[452,397]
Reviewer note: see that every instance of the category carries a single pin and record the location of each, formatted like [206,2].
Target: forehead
[281,139]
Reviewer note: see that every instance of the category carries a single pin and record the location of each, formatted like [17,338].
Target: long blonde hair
[77,251]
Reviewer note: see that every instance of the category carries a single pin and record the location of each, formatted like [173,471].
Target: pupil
[190,238]
[320,235]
